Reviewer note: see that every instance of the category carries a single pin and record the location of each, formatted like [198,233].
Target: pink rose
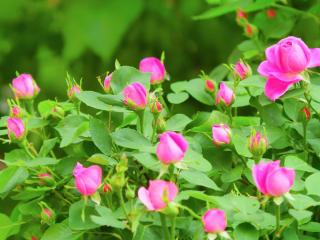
[171,148]
[16,128]
[286,60]
[87,180]
[135,96]
[271,179]
[73,90]
[225,95]
[25,87]
[158,194]
[221,134]
[155,67]
[214,221]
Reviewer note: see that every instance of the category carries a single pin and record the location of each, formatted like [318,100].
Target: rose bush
[128,163]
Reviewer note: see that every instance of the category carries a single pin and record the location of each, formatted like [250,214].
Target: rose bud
[73,90]
[16,128]
[242,70]
[225,95]
[135,96]
[15,112]
[242,17]
[156,107]
[24,87]
[171,148]
[34,238]
[87,180]
[210,86]
[106,83]
[155,67]
[106,188]
[45,178]
[271,179]
[158,195]
[305,114]
[250,30]
[271,13]
[214,221]
[258,144]
[47,216]
[221,134]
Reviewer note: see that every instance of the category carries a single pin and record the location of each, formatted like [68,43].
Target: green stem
[164,226]
[154,130]
[141,120]
[30,106]
[163,102]
[123,206]
[191,212]
[277,213]
[173,228]
[304,125]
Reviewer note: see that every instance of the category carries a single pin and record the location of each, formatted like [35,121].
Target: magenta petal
[280,181]
[315,57]
[143,195]
[275,88]
[266,68]
[172,191]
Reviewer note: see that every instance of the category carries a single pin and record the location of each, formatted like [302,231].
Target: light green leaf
[199,178]
[100,135]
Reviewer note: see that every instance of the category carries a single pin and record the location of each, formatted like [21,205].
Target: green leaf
[241,121]
[60,231]
[126,75]
[178,86]
[246,231]
[302,216]
[196,161]
[203,121]
[46,107]
[148,160]
[71,129]
[130,138]
[292,108]
[107,218]
[196,88]
[47,146]
[10,177]
[253,81]
[178,122]
[34,123]
[5,226]
[177,98]
[312,184]
[241,145]
[102,160]
[301,201]
[199,178]
[100,135]
[98,101]
[75,219]
[310,227]
[297,163]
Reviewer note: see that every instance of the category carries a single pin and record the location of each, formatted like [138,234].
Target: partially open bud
[135,96]
[24,87]
[225,96]
[242,17]
[242,70]
[106,83]
[47,216]
[155,67]
[45,179]
[16,128]
[271,13]
[221,134]
[156,107]
[15,111]
[210,86]
[73,90]
[258,144]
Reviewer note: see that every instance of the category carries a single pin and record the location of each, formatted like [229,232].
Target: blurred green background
[47,38]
